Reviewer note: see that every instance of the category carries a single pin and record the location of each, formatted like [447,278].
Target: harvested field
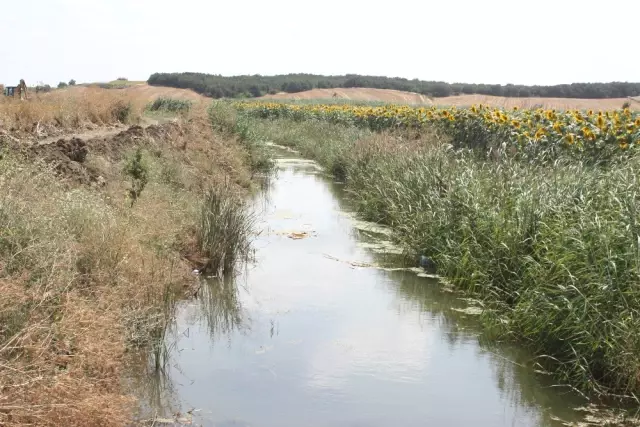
[357,94]
[549,103]
[150,93]
[395,96]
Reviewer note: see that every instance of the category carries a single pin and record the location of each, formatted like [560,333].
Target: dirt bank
[87,278]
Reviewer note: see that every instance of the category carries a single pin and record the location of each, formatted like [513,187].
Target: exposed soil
[556,103]
[357,94]
[69,154]
[396,96]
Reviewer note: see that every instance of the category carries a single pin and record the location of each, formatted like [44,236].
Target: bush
[122,111]
[170,105]
[43,88]
[62,85]
[136,170]
[72,82]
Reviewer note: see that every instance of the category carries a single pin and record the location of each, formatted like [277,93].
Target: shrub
[137,171]
[170,105]
[122,111]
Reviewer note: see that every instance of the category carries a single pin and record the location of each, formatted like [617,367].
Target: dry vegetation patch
[87,279]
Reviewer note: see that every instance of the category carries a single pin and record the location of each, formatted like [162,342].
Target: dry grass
[78,108]
[84,279]
[67,110]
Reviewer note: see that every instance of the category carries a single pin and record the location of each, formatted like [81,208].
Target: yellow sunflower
[540,133]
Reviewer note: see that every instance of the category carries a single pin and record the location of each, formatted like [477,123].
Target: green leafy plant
[170,105]
[136,169]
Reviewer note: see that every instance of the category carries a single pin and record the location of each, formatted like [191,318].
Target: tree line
[217,86]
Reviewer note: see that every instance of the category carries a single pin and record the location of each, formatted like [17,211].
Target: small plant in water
[136,169]
[223,232]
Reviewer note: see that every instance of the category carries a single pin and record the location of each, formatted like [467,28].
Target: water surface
[309,335]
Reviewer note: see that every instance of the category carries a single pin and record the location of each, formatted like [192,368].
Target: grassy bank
[88,271]
[551,248]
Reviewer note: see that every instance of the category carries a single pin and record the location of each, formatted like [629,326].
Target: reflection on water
[219,307]
[302,339]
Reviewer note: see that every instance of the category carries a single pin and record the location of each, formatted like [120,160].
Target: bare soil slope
[139,91]
[557,103]
[143,90]
[357,94]
[395,96]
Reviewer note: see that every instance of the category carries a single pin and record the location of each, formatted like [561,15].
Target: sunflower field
[600,134]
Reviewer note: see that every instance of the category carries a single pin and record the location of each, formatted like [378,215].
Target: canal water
[313,332]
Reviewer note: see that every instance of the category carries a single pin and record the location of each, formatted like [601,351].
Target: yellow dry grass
[77,108]
[67,110]
[84,279]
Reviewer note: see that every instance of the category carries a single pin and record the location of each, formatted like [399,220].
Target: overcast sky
[474,41]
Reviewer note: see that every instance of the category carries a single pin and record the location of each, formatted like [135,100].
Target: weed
[170,105]
[223,231]
[136,170]
[225,120]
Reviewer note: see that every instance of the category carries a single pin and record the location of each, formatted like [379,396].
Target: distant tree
[255,91]
[256,85]
[124,79]
[62,85]
[72,82]
[43,88]
[441,90]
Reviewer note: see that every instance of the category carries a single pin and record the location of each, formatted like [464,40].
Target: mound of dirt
[75,149]
[69,155]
